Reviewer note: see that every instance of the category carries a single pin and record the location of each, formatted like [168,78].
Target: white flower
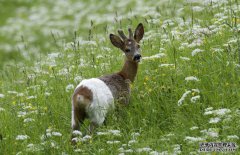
[222,112]
[77,79]
[33,148]
[113,142]
[231,137]
[85,138]
[211,132]
[2,95]
[155,153]
[78,150]
[22,137]
[180,101]
[194,52]
[135,134]
[197,8]
[57,134]
[166,65]
[103,133]
[195,98]
[159,55]
[209,108]
[144,149]
[26,120]
[47,94]
[31,97]
[194,139]
[214,120]
[191,78]
[77,133]
[185,58]
[53,55]
[132,141]
[69,87]
[196,90]
[208,113]
[22,113]
[194,128]
[115,132]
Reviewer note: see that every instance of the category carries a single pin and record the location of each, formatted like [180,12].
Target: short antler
[122,35]
[130,33]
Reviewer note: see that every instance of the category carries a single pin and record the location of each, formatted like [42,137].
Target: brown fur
[79,108]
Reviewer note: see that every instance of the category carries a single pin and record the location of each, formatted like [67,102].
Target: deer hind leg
[78,117]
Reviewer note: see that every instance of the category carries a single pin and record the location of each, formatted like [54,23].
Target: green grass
[34,84]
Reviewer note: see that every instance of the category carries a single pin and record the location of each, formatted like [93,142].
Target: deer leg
[92,127]
[78,117]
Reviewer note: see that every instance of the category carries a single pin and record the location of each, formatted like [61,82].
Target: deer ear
[139,32]
[116,41]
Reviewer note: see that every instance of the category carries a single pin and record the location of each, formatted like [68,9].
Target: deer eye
[127,50]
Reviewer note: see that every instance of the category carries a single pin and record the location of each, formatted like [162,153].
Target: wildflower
[57,134]
[194,52]
[159,55]
[211,132]
[47,94]
[197,8]
[194,139]
[222,112]
[155,153]
[196,90]
[113,142]
[144,149]
[26,120]
[22,137]
[135,134]
[132,142]
[2,95]
[195,98]
[77,133]
[53,55]
[77,79]
[85,138]
[114,132]
[166,65]
[31,97]
[194,128]
[231,137]
[180,101]
[209,109]
[214,120]
[22,113]
[191,78]
[69,87]
[33,148]
[185,58]
[78,150]
[103,133]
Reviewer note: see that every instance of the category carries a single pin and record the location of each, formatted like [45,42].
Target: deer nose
[137,57]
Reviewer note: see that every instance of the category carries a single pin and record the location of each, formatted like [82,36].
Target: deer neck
[129,70]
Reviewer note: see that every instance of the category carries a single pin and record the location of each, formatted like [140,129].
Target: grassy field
[187,89]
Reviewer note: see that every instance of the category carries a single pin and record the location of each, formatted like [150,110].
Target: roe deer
[94,97]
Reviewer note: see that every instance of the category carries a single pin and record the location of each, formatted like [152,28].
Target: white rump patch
[102,99]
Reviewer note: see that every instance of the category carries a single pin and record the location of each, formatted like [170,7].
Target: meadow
[187,89]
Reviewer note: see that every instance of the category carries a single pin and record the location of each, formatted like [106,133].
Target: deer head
[129,45]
